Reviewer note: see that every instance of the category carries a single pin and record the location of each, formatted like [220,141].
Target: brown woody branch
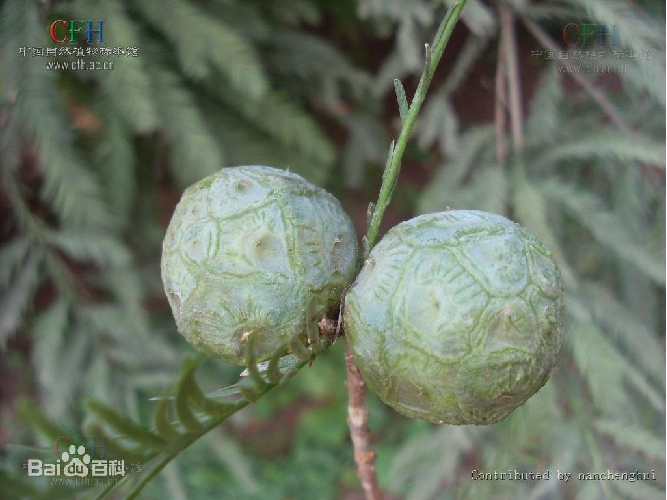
[357,420]
[501,106]
[510,56]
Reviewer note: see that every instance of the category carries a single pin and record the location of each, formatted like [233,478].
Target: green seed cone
[456,317]
[251,249]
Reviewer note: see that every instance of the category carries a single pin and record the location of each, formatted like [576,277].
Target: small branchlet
[188,413]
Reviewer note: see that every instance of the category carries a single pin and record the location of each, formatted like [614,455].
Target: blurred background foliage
[92,164]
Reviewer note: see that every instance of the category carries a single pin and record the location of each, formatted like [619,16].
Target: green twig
[433,55]
[186,441]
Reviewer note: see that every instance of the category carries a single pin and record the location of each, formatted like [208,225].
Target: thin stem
[357,411]
[182,445]
[501,106]
[511,61]
[391,173]
[183,442]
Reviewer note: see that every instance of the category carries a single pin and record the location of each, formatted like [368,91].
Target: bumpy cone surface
[249,249]
[456,317]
